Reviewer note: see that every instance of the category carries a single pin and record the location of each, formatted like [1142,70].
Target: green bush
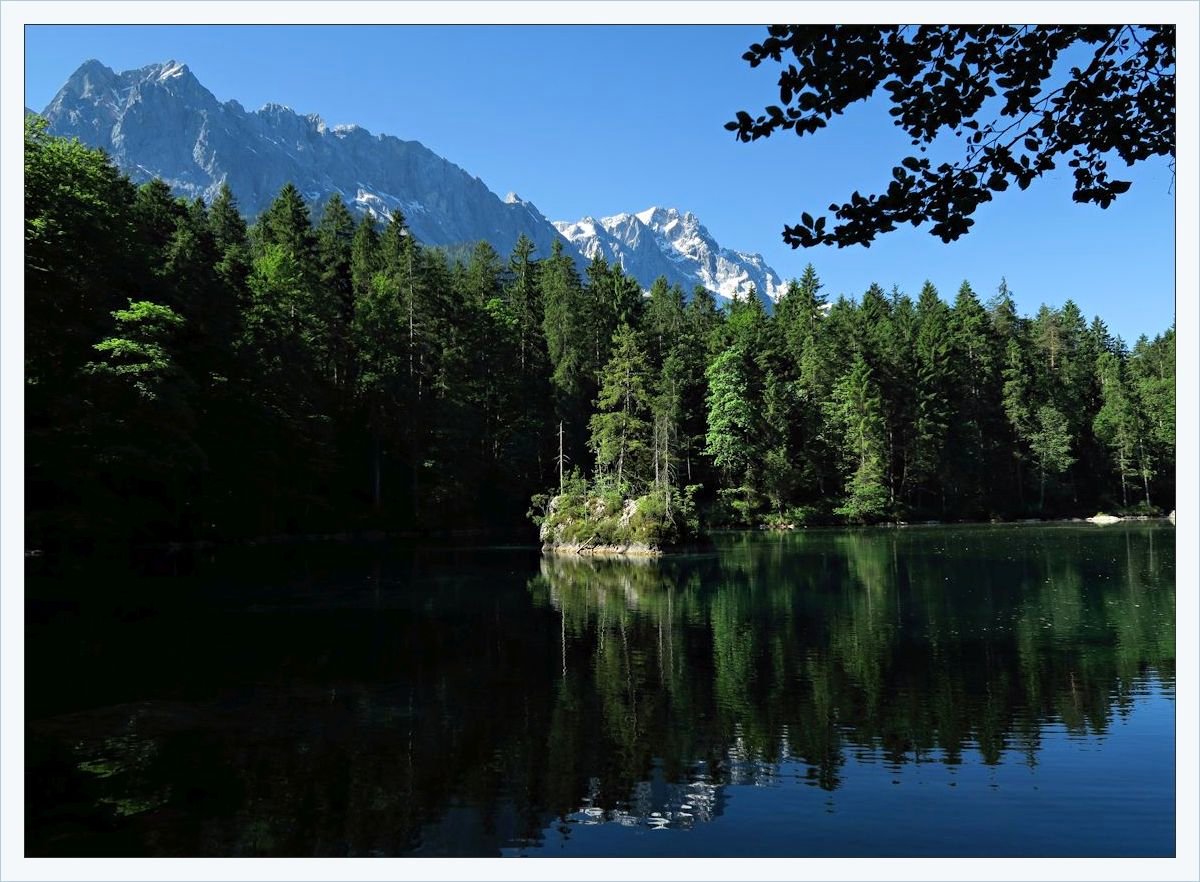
[737,507]
[1141,510]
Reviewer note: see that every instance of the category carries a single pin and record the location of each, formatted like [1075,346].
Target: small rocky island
[588,521]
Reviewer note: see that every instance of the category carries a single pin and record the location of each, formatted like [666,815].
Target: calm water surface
[919,692]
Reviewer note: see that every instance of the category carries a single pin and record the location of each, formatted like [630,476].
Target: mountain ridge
[160,121]
[665,241]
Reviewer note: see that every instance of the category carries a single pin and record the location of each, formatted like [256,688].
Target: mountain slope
[665,241]
[159,121]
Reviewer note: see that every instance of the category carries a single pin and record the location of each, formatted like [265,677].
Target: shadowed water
[926,691]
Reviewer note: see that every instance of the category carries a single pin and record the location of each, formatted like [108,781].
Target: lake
[924,691]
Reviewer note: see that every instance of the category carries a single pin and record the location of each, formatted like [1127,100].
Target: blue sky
[599,120]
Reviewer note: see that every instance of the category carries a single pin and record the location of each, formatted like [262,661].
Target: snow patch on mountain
[668,242]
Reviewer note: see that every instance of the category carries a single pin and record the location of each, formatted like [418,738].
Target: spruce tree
[335,302]
[564,324]
[933,391]
[1117,424]
[230,236]
[620,431]
[365,256]
[1050,445]
[856,411]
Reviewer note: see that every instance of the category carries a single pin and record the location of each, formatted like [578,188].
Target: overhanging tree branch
[939,79]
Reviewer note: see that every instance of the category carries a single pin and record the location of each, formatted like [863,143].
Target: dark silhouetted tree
[1120,100]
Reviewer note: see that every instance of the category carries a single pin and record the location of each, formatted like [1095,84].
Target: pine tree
[1019,407]
[856,411]
[737,433]
[564,326]
[934,391]
[732,419]
[156,212]
[335,303]
[1002,311]
[1152,371]
[664,319]
[287,222]
[1050,444]
[701,320]
[978,414]
[1117,424]
[382,368]
[610,299]
[524,299]
[285,270]
[620,431]
[531,405]
[706,321]
[366,258]
[799,310]
[230,236]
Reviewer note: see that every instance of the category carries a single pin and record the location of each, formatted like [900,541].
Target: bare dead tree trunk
[1145,471]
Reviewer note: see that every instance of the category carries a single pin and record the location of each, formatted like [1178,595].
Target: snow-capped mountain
[159,121]
[667,242]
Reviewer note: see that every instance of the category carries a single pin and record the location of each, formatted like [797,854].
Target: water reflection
[463,704]
[889,646]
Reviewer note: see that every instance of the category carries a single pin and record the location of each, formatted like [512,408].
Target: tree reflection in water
[464,705]
[902,647]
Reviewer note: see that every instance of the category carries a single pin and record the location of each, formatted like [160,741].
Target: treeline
[192,376]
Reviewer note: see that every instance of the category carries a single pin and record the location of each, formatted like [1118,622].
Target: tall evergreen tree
[1019,408]
[335,302]
[1117,424]
[1050,444]
[366,258]
[978,419]
[857,411]
[934,393]
[564,323]
[620,430]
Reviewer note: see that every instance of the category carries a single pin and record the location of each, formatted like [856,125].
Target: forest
[191,376]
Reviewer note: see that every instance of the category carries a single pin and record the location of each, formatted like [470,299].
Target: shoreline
[1099,520]
[584,550]
[369,537]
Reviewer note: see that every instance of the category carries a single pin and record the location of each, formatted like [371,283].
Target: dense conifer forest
[190,376]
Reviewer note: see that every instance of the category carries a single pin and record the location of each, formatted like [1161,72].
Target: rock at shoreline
[1104,519]
[633,549]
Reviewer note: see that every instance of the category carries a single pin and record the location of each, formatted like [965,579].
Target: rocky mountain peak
[159,121]
[664,241]
[91,78]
